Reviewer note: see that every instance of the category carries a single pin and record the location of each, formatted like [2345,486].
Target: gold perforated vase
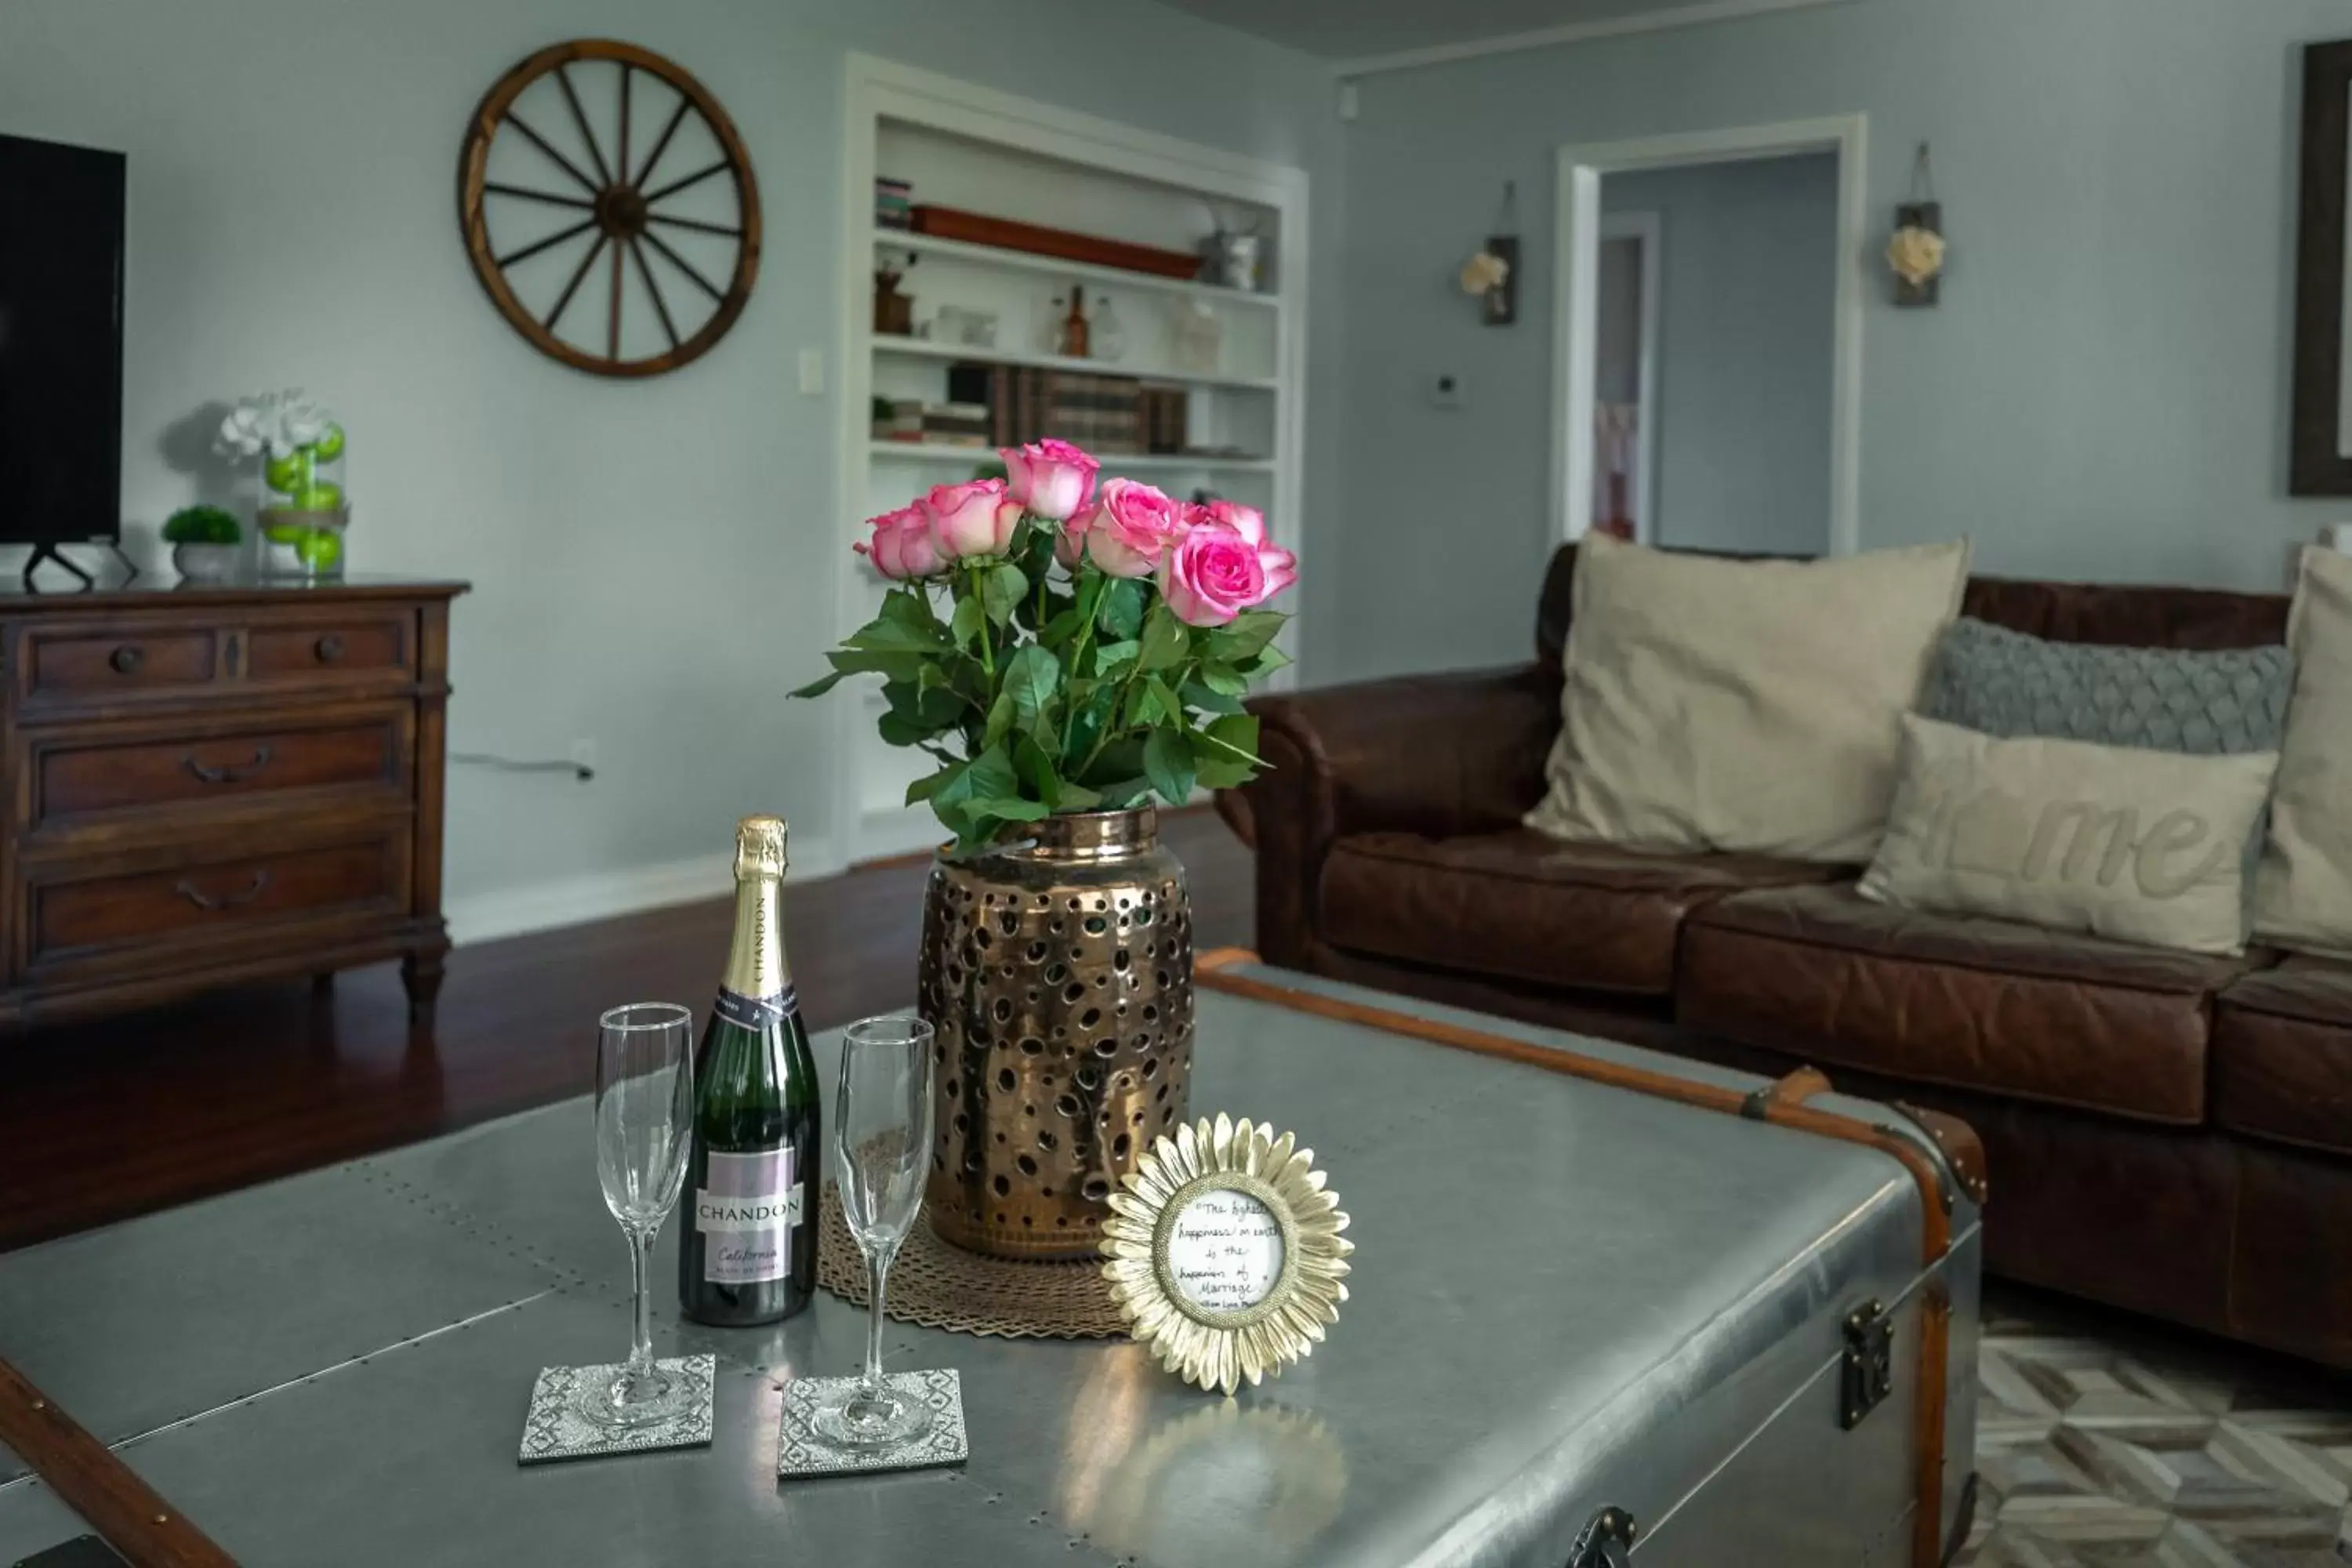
[1057,972]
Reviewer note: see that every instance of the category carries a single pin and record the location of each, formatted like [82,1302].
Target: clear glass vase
[304,509]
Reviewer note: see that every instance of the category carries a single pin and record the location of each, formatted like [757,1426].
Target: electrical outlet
[1445,391]
[812,373]
[583,757]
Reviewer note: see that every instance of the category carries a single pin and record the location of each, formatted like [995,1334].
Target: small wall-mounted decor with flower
[1492,275]
[1915,252]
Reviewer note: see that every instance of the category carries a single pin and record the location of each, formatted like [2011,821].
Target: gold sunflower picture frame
[1225,1252]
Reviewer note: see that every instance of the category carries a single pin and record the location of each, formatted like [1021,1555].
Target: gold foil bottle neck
[760,848]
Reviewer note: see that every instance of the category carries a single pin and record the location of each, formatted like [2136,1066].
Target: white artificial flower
[1483,273]
[272,421]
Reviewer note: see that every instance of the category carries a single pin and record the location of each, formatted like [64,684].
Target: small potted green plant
[203,540]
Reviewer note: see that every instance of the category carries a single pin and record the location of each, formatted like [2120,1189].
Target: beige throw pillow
[2146,847]
[1749,706]
[2303,894]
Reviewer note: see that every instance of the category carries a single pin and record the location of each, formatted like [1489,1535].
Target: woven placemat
[944,1286]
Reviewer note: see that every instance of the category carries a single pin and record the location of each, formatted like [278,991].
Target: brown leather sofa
[2166,1133]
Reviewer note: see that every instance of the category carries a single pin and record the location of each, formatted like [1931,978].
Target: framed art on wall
[2320,450]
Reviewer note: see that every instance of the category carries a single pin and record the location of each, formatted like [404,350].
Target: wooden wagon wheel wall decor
[559,175]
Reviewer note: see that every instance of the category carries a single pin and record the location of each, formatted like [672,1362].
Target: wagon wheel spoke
[550,197]
[563,80]
[613,322]
[528,251]
[695,224]
[661,144]
[541,143]
[695,178]
[621,158]
[683,265]
[653,287]
[563,300]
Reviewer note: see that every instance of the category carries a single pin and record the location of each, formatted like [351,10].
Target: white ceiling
[1365,29]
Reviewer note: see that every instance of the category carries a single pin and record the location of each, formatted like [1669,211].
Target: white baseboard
[575,900]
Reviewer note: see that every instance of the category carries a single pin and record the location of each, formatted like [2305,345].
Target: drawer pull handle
[329,649]
[207,901]
[226,775]
[126,657]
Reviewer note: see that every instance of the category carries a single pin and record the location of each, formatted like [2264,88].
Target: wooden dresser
[220,784]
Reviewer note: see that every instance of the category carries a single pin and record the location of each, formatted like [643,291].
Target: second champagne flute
[882,1146]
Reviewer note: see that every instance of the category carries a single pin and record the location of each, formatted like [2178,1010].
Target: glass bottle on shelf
[1108,338]
[1074,340]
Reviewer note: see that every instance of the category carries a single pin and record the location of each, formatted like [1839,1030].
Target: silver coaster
[800,1452]
[556,1430]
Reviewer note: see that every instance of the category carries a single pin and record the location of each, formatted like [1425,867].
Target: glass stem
[641,1344]
[878,1274]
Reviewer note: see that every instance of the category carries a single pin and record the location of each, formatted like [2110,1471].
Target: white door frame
[1650,228]
[1577,296]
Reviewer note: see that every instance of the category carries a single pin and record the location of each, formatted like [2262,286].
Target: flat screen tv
[60,347]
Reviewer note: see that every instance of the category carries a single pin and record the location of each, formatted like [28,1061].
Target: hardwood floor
[105,1119]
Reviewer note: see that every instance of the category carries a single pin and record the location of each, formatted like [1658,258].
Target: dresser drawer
[129,661]
[163,770]
[201,901]
[370,646]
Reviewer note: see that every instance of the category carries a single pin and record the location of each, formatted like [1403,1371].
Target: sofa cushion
[2303,896]
[1522,906]
[2283,1055]
[1822,973]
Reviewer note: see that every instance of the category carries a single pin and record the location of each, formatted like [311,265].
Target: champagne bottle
[749,1254]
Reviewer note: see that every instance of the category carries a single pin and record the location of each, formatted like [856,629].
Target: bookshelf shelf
[1113,463]
[1110,277]
[924,348]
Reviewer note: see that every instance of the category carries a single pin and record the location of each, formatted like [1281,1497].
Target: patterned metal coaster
[941,1286]
[556,1430]
[800,1452]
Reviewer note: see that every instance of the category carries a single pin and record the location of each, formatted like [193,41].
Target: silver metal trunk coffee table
[1579,1314]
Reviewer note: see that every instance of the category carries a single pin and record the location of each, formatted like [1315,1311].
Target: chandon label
[746,1216]
[757,1012]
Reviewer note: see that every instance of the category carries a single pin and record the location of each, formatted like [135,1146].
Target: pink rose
[902,546]
[1129,527]
[1281,565]
[971,519]
[1051,479]
[1212,575]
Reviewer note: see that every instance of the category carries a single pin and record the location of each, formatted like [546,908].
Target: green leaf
[1036,769]
[1088,718]
[1119,759]
[885,636]
[910,606]
[1063,630]
[1121,793]
[1004,808]
[1235,737]
[988,777]
[937,708]
[1266,662]
[1031,676]
[1246,634]
[898,730]
[1143,708]
[1196,694]
[1001,715]
[1120,613]
[1077,798]
[1165,700]
[1219,679]
[1166,643]
[819,687]
[965,626]
[1001,591]
[930,785]
[1168,763]
[1112,658]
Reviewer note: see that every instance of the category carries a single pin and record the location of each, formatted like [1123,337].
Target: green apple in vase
[1057,645]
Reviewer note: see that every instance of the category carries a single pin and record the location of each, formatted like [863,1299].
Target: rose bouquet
[1056,649]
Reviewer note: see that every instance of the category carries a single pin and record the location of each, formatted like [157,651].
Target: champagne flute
[645,1118]
[882,1143]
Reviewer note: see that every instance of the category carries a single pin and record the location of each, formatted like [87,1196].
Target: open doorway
[1709,350]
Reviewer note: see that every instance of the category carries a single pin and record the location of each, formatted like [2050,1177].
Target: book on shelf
[1101,413]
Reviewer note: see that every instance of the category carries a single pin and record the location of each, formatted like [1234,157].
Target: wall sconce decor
[1493,275]
[1915,253]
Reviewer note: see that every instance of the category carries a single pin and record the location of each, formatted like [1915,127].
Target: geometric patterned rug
[2107,1443]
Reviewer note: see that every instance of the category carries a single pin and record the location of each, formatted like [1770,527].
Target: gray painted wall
[1747,303]
[653,561]
[2102,394]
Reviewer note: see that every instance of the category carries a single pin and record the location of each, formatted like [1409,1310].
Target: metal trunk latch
[1605,1541]
[1869,1375]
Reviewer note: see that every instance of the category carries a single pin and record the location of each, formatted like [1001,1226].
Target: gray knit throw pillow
[2005,683]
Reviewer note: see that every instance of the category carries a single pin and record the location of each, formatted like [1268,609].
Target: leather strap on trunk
[1783,1104]
[84,1472]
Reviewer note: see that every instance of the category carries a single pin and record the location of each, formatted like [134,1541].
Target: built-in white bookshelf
[963,147]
